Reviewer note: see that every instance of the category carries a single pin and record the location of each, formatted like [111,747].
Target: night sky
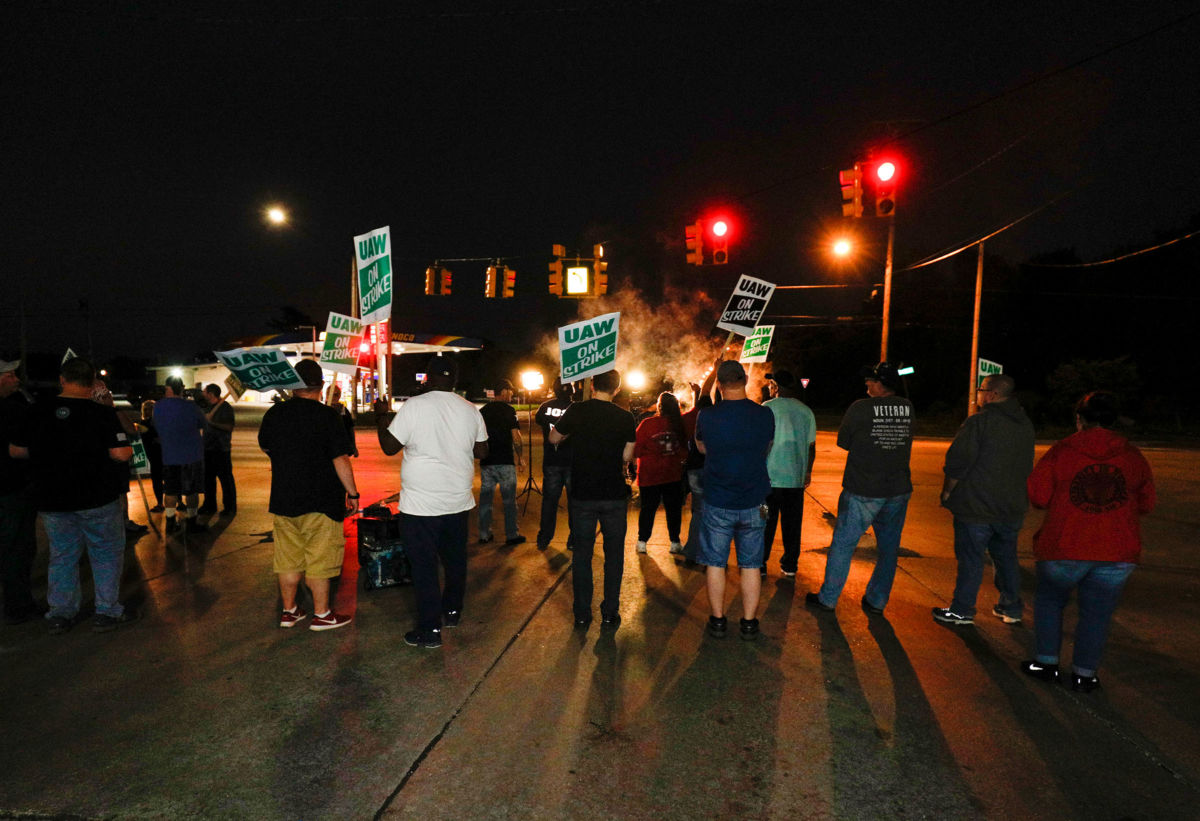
[141,142]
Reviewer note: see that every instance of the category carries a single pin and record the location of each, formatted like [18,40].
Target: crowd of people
[745,464]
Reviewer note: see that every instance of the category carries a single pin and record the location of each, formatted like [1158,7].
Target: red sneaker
[287,619]
[330,621]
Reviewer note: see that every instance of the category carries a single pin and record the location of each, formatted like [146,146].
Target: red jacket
[1093,485]
[660,453]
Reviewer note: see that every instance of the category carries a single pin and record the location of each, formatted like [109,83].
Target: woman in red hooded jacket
[1093,485]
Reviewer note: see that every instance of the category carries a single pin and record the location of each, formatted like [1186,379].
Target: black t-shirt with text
[547,417]
[501,421]
[303,437]
[877,432]
[68,441]
[598,432]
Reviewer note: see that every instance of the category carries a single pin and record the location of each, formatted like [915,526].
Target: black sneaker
[106,624]
[611,622]
[451,618]
[718,626]
[195,526]
[424,638]
[1007,618]
[58,625]
[749,629]
[1046,672]
[583,621]
[514,540]
[813,600]
[486,539]
[1084,684]
[944,615]
[870,608]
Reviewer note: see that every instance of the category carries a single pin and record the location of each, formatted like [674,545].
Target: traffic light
[851,181]
[556,270]
[430,281]
[694,234]
[489,285]
[445,276]
[885,188]
[719,229]
[508,280]
[600,278]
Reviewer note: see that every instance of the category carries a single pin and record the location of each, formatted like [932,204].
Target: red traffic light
[885,171]
[720,227]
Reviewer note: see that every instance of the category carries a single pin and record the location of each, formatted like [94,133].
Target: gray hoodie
[991,457]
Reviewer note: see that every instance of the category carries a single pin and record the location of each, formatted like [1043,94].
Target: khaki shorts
[312,544]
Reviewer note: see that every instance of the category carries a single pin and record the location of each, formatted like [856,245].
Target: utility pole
[887,291]
[972,404]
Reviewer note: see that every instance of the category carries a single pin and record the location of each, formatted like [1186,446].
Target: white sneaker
[676,547]
[641,547]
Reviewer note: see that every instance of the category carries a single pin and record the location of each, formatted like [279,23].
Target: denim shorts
[744,528]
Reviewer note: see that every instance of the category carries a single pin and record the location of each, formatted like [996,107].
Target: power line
[1114,259]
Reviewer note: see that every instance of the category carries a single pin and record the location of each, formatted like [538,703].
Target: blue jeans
[506,477]
[695,480]
[1100,585]
[999,540]
[855,515]
[743,527]
[101,530]
[612,516]
[555,479]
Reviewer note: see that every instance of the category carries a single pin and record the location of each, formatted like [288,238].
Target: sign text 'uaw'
[757,345]
[589,347]
[746,305]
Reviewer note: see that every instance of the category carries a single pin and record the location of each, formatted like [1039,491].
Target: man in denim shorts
[735,436]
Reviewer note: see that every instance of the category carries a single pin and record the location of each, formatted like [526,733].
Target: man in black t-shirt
[78,456]
[312,490]
[556,464]
[602,439]
[876,487]
[498,468]
[18,542]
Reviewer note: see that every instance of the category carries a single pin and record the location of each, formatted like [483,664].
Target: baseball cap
[442,366]
[884,372]
[783,378]
[9,367]
[731,371]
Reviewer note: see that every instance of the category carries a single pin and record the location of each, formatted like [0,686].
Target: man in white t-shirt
[442,435]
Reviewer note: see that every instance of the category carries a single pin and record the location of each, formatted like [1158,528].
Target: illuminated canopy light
[885,171]
[177,372]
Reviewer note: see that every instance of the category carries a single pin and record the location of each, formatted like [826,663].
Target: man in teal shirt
[789,464]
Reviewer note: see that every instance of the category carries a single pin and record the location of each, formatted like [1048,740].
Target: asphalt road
[205,709]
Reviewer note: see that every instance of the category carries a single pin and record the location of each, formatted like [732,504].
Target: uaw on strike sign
[746,305]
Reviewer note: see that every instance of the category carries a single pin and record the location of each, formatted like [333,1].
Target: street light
[842,247]
[277,215]
[531,380]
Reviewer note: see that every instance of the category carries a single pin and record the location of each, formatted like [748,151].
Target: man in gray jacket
[986,468]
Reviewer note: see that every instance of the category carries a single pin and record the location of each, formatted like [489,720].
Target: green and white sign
[260,369]
[342,337]
[987,368]
[139,465]
[756,346]
[373,255]
[589,347]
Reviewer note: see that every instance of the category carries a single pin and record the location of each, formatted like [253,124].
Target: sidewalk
[205,709]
